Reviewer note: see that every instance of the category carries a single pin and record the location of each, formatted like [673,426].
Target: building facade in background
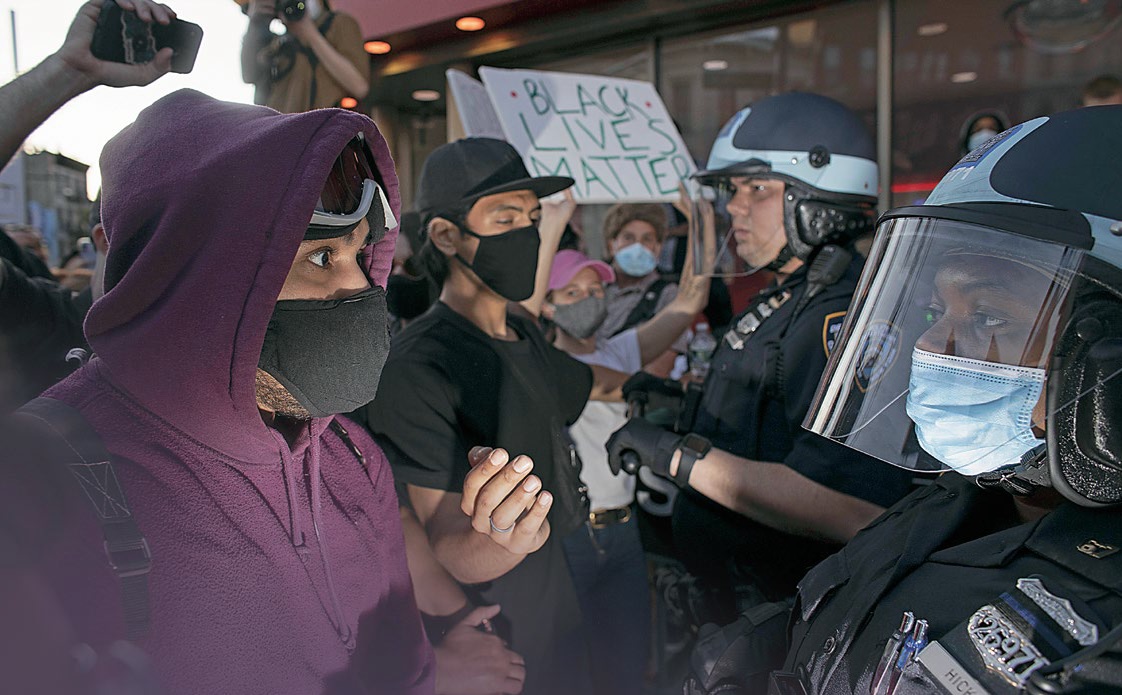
[56,200]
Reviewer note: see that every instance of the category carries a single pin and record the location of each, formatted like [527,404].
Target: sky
[82,127]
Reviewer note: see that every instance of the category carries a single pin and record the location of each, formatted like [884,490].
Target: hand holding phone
[81,70]
[134,32]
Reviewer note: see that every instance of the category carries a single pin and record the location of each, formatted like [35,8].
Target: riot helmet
[812,152]
[985,335]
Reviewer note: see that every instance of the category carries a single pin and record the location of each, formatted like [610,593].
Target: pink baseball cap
[567,263]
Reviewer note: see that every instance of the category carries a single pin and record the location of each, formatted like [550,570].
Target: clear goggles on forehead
[354,191]
[936,294]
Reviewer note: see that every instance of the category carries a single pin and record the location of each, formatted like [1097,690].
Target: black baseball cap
[457,174]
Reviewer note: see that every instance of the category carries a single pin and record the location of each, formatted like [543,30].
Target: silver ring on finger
[496,529]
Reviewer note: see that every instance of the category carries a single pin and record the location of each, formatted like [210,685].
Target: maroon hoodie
[274,569]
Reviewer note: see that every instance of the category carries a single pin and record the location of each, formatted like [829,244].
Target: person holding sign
[763,499]
[634,234]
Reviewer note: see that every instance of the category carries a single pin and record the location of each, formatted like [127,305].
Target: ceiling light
[715,65]
[963,77]
[1062,26]
[426,95]
[348,102]
[470,24]
[932,29]
[376,47]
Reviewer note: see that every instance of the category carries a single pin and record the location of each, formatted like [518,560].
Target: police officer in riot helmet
[794,179]
[985,339]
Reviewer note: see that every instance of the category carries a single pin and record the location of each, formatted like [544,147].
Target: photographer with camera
[314,65]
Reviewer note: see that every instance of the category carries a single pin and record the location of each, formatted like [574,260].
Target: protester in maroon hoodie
[244,307]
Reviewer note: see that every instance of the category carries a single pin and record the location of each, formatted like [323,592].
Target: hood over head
[205,204]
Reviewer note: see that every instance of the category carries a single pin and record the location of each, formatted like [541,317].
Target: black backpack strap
[90,465]
[647,306]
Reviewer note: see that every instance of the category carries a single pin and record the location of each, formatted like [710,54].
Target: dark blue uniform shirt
[753,406]
[955,555]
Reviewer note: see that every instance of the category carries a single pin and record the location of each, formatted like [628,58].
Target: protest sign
[477,115]
[613,136]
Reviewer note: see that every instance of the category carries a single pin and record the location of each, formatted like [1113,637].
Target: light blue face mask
[976,139]
[974,416]
[636,260]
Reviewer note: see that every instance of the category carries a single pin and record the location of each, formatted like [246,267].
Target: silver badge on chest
[1002,646]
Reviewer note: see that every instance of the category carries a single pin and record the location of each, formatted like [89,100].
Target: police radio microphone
[829,265]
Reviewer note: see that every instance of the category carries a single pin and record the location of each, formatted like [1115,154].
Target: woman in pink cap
[606,557]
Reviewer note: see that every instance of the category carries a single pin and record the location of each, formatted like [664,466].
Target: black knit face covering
[329,353]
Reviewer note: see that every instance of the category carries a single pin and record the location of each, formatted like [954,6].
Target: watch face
[697,443]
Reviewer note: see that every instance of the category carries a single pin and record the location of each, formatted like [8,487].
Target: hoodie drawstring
[341,626]
[296,517]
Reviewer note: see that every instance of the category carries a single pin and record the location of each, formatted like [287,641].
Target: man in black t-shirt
[469,374]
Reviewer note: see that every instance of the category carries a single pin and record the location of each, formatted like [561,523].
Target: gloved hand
[652,392]
[647,445]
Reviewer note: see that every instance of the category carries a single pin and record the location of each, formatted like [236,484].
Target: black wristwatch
[691,448]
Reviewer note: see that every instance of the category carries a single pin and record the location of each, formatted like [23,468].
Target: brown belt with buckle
[607,517]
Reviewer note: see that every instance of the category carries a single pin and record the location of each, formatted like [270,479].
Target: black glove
[639,443]
[652,392]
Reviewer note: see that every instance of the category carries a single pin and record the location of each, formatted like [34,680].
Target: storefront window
[954,60]
[706,78]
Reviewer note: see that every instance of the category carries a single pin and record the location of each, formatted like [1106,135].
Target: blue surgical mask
[636,260]
[974,416]
[978,138]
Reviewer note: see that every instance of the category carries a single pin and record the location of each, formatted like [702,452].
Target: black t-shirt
[753,406]
[40,322]
[448,387]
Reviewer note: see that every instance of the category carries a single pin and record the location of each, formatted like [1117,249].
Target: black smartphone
[122,37]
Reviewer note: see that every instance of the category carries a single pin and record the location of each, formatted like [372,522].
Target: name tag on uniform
[945,670]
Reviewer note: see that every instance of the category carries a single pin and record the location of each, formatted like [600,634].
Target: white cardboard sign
[613,136]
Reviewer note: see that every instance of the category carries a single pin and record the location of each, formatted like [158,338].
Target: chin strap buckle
[1022,478]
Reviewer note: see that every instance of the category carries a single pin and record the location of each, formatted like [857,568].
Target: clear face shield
[943,358]
[747,206]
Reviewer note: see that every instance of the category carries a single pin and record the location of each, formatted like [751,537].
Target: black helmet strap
[1023,479]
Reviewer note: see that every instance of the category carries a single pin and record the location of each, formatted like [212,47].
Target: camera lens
[293,9]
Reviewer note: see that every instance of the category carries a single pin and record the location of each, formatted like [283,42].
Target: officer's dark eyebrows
[987,284]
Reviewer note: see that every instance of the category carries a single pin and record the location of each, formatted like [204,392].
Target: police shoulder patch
[831,329]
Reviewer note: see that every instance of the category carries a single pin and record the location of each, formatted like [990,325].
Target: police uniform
[1001,598]
[761,383]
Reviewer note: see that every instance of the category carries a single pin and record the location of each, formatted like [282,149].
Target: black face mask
[508,262]
[581,319]
[408,297]
[328,353]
